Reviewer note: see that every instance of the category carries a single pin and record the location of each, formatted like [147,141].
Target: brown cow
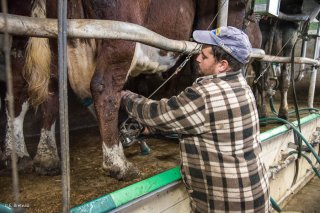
[96,68]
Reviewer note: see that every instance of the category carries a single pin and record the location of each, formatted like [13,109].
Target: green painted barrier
[122,196]
[5,208]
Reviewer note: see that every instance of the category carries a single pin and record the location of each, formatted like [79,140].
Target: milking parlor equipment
[281,148]
[165,192]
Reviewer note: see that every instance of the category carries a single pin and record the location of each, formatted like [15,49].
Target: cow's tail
[38,60]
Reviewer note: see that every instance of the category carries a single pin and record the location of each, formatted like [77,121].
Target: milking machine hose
[273,110]
[311,110]
[296,131]
[309,161]
[273,202]
[275,205]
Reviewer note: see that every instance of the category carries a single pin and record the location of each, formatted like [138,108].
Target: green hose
[274,111]
[309,161]
[296,131]
[275,205]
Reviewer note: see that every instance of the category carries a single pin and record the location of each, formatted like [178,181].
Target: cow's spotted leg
[284,87]
[290,36]
[114,161]
[47,161]
[16,134]
[106,87]
[259,89]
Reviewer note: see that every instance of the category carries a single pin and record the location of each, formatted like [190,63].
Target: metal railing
[63,103]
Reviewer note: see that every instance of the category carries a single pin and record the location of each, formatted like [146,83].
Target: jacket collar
[220,75]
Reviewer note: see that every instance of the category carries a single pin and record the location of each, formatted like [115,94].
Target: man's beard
[198,70]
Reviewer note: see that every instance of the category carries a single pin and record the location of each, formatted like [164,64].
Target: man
[218,124]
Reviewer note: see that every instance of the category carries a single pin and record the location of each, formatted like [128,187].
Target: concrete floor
[307,200]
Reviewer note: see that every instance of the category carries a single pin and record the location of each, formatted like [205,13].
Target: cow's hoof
[283,116]
[25,164]
[46,165]
[129,173]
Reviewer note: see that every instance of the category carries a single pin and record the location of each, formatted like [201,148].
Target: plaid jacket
[220,150]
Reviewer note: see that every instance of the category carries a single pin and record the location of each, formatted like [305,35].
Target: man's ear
[223,66]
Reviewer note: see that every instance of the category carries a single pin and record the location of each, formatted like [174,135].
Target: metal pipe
[223,6]
[10,98]
[313,75]
[257,52]
[300,17]
[298,60]
[273,170]
[295,18]
[314,13]
[101,29]
[106,29]
[63,103]
[303,52]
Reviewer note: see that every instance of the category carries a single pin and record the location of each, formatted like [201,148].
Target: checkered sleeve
[182,114]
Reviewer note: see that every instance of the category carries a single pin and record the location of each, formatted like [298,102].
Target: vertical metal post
[223,7]
[63,102]
[303,52]
[10,99]
[313,75]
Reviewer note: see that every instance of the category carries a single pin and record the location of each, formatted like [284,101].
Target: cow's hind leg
[14,134]
[106,87]
[284,87]
[290,36]
[114,160]
[47,161]
[259,89]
